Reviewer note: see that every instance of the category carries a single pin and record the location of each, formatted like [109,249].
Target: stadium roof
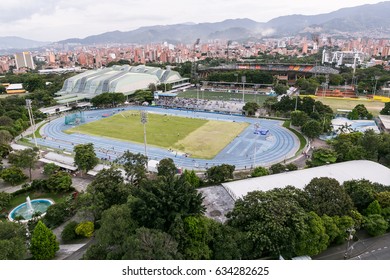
[345,171]
[119,78]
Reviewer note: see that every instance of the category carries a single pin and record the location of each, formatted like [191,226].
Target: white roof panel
[345,171]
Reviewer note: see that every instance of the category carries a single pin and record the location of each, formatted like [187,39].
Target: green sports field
[225,96]
[197,137]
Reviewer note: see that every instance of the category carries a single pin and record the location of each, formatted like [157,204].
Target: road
[366,248]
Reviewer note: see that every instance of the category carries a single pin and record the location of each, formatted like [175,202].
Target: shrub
[85,229]
[13,175]
[60,182]
[50,169]
[57,213]
[69,232]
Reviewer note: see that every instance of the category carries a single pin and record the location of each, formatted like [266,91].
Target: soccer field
[338,103]
[225,96]
[198,137]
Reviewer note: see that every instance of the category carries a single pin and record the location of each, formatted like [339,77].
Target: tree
[322,156]
[314,238]
[326,196]
[277,168]
[250,108]
[166,168]
[5,199]
[25,159]
[375,224]
[69,232]
[193,234]
[299,118]
[191,178]
[106,190]
[360,112]
[85,157]
[280,89]
[312,129]
[374,208]
[150,244]
[43,243]
[220,173]
[57,213]
[50,169]
[156,203]
[12,241]
[134,166]
[33,82]
[13,175]
[60,182]
[386,109]
[362,193]
[116,225]
[273,221]
[260,171]
[383,198]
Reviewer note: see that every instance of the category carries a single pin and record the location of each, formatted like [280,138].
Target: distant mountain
[369,19]
[356,19]
[232,28]
[365,20]
[12,42]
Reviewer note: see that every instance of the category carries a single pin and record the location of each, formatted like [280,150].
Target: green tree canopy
[260,171]
[273,221]
[326,196]
[116,226]
[85,157]
[156,203]
[134,166]
[60,182]
[312,129]
[220,173]
[25,159]
[322,156]
[250,108]
[166,168]
[386,109]
[375,224]
[12,241]
[13,175]
[362,193]
[106,190]
[43,243]
[150,244]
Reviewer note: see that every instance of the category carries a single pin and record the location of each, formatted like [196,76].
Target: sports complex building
[119,78]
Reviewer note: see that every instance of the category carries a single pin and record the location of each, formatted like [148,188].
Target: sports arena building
[119,78]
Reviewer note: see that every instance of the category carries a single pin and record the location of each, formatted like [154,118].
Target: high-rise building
[24,60]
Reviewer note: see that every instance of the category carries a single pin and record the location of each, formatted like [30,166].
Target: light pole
[243,80]
[144,120]
[32,122]
[197,91]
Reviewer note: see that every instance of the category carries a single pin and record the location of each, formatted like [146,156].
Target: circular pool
[25,211]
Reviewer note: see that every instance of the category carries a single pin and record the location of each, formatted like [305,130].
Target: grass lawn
[302,139]
[199,138]
[226,96]
[338,103]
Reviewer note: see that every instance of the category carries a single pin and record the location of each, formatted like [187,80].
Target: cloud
[60,19]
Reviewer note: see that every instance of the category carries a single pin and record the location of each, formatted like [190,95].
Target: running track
[244,151]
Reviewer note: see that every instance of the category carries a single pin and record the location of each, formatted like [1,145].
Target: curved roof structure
[119,78]
[344,171]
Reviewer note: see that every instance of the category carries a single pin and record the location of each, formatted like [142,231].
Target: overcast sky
[53,20]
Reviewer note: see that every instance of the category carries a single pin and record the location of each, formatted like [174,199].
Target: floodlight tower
[32,122]
[144,120]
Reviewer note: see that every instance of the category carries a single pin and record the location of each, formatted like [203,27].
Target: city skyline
[54,20]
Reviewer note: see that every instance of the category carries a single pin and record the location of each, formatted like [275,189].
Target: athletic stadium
[119,78]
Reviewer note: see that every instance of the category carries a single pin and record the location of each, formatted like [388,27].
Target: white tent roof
[345,171]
